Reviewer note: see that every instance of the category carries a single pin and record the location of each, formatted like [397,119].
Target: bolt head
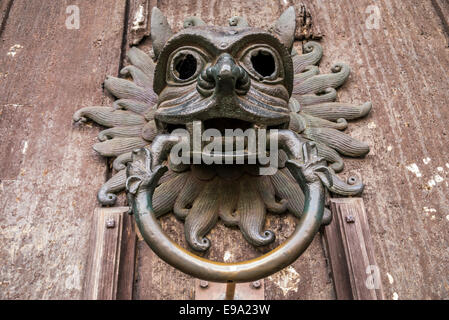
[350,219]
[204,284]
[256,284]
[110,223]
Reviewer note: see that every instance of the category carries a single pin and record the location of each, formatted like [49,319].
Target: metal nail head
[110,223]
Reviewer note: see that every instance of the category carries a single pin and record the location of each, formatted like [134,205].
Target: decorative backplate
[201,82]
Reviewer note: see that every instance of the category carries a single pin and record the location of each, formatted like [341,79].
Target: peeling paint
[287,280]
[395,296]
[431,183]
[227,256]
[414,169]
[25,147]
[139,18]
[73,280]
[389,148]
[14,50]
[427,210]
[390,278]
[14,105]
[372,125]
[426,160]
[436,179]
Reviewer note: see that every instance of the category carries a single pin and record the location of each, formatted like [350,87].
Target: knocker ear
[160,31]
[285,26]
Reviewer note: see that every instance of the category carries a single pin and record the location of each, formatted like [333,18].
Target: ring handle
[245,271]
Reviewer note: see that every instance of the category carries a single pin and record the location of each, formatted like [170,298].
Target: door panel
[50,174]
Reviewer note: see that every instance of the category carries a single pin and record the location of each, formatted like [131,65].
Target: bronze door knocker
[212,80]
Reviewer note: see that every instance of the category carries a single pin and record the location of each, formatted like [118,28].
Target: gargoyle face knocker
[210,81]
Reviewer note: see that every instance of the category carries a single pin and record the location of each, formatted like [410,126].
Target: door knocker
[227,123]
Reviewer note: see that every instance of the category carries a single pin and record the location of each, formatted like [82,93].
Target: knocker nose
[225,70]
[224,77]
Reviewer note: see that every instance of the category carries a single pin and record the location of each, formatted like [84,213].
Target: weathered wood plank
[157,280]
[48,170]
[442,11]
[127,267]
[139,26]
[110,272]
[348,239]
[102,271]
[335,252]
[401,66]
[218,12]
[205,290]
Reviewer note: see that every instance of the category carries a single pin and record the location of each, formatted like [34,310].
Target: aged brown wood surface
[351,256]
[48,170]
[50,174]
[219,291]
[442,10]
[5,8]
[401,67]
[335,253]
[127,267]
[110,269]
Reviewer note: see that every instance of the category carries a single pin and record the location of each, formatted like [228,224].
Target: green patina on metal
[227,77]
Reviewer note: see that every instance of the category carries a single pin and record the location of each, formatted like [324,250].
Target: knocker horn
[143,175]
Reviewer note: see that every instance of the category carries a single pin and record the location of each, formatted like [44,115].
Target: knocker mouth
[224,141]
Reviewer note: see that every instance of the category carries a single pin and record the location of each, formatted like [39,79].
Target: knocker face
[241,77]
[193,133]
[230,82]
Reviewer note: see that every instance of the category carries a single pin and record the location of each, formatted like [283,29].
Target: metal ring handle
[245,271]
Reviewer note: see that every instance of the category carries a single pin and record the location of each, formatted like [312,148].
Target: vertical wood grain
[351,252]
[49,173]
[401,67]
[110,273]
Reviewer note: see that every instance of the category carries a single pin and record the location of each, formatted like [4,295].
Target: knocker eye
[185,66]
[262,63]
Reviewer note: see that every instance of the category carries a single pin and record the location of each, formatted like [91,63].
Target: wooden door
[50,174]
